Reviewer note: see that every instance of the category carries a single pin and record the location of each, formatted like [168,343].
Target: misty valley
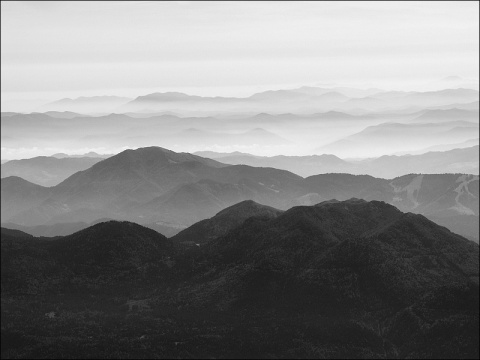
[304,223]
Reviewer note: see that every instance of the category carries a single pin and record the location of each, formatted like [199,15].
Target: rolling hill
[348,278]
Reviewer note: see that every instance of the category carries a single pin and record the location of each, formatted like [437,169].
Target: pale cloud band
[104,46]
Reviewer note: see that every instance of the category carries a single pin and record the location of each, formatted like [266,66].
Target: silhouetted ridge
[154,167]
[114,244]
[342,265]
[352,201]
[153,156]
[246,207]
[14,233]
[19,195]
[224,221]
[166,96]
[14,182]
[333,221]
[100,255]
[341,255]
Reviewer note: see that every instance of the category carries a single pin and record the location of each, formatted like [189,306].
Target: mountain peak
[114,244]
[147,172]
[351,201]
[153,156]
[165,96]
[224,221]
[245,208]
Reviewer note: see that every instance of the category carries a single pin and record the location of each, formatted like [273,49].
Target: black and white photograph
[240,179]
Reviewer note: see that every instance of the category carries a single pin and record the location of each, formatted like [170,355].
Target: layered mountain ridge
[148,185]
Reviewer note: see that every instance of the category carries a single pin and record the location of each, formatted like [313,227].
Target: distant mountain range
[85,104]
[307,99]
[388,166]
[148,185]
[442,147]
[429,116]
[200,138]
[362,278]
[118,130]
[339,121]
[300,100]
[400,136]
[91,154]
[64,114]
[49,171]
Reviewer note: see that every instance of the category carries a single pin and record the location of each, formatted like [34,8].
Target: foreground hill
[60,229]
[344,278]
[112,244]
[352,260]
[453,198]
[227,219]
[373,239]
[63,229]
[103,254]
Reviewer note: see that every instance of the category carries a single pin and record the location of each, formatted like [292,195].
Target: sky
[53,50]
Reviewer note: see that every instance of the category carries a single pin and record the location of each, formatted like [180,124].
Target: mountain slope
[300,165]
[345,278]
[112,244]
[100,255]
[395,137]
[451,197]
[157,180]
[200,138]
[154,185]
[19,195]
[305,100]
[227,219]
[447,115]
[461,160]
[465,160]
[47,171]
[364,262]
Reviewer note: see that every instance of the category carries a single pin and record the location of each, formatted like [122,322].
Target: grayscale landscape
[240,180]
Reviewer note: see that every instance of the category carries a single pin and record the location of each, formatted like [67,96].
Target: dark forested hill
[344,278]
[227,219]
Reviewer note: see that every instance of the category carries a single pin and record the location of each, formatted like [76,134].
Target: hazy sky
[62,49]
